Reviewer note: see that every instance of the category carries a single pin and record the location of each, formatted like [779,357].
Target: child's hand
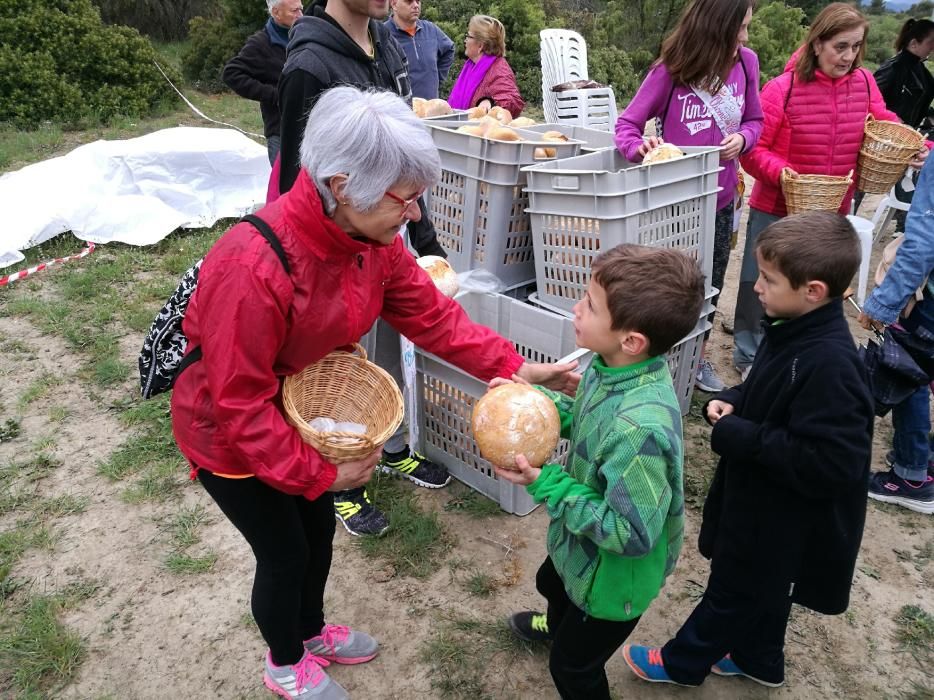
[525,476]
[650,143]
[732,146]
[717,410]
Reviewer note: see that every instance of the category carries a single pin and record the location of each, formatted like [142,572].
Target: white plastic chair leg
[864,229]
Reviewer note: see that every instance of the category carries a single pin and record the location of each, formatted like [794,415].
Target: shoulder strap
[661,119]
[267,233]
[788,94]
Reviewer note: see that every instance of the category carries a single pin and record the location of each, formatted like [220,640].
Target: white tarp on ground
[135,191]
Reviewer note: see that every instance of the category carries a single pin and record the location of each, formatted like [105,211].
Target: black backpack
[163,356]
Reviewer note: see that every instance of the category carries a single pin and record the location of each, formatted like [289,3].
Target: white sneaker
[707,379]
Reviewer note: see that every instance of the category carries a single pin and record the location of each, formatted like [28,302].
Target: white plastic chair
[564,58]
[885,211]
[864,229]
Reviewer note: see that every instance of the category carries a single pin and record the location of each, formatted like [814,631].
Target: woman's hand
[485,104]
[869,323]
[525,476]
[919,159]
[499,381]
[649,144]
[556,376]
[732,146]
[350,475]
[717,410]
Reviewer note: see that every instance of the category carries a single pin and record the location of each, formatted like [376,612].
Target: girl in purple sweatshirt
[702,91]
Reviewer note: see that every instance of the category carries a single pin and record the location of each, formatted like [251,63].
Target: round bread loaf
[419,105]
[500,114]
[437,108]
[663,151]
[477,112]
[503,133]
[441,273]
[514,419]
[520,122]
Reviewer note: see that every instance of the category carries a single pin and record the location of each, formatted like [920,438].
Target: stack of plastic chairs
[564,58]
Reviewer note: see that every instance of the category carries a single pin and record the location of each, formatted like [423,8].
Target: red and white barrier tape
[7,279]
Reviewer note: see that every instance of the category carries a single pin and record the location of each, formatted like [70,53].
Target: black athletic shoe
[415,467]
[357,514]
[531,626]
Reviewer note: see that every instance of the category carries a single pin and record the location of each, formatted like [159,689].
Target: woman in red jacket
[814,117]
[366,158]
[486,79]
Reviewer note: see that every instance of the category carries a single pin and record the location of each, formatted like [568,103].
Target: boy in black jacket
[785,512]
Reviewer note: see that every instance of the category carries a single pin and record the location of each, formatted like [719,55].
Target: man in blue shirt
[430,51]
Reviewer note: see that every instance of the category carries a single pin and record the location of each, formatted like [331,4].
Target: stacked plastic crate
[580,206]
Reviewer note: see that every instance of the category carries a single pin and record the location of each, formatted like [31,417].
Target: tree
[215,40]
[774,34]
[876,7]
[59,62]
[164,20]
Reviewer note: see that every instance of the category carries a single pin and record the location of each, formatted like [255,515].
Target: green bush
[216,40]
[212,42]
[59,63]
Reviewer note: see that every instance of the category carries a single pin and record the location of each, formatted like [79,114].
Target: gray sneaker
[305,680]
[342,645]
[707,379]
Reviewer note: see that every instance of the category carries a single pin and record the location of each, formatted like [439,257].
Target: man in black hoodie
[344,42]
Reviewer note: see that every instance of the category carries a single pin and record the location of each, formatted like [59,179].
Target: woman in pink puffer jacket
[814,117]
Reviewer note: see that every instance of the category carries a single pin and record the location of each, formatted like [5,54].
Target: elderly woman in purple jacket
[702,91]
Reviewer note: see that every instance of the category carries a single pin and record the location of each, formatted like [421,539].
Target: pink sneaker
[305,680]
[342,645]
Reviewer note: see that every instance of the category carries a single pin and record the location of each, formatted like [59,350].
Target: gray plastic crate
[594,139]
[581,205]
[684,356]
[495,162]
[447,394]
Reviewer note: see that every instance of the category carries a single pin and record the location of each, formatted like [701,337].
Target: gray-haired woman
[366,158]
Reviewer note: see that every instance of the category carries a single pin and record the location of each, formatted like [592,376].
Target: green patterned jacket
[617,509]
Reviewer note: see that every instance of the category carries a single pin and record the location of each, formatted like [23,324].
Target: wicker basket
[814,192]
[347,388]
[886,150]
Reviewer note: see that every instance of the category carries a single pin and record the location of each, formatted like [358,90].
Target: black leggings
[582,645]
[292,539]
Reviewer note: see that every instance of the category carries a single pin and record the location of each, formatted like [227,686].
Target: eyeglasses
[406,203]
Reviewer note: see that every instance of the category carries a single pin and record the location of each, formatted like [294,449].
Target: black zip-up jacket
[254,74]
[787,505]
[322,55]
[907,87]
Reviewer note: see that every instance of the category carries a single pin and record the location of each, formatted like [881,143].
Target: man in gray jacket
[430,51]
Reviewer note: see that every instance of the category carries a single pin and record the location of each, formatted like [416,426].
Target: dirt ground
[150,634]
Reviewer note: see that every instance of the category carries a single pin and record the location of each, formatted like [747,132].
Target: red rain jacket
[255,324]
[817,129]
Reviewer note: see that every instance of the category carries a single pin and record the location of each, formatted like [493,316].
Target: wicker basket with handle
[884,155]
[348,388]
[814,192]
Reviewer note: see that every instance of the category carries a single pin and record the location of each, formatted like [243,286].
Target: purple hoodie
[687,121]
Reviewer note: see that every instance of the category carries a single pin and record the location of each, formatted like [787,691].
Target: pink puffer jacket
[812,127]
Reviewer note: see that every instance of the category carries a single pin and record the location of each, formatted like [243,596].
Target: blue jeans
[912,417]
[747,328]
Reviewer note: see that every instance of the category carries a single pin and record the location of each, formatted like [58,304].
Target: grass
[417,541]
[21,148]
[183,529]
[42,654]
[471,503]
[10,429]
[38,388]
[480,584]
[460,653]
[915,632]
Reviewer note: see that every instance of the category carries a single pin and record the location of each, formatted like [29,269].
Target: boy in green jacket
[617,509]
